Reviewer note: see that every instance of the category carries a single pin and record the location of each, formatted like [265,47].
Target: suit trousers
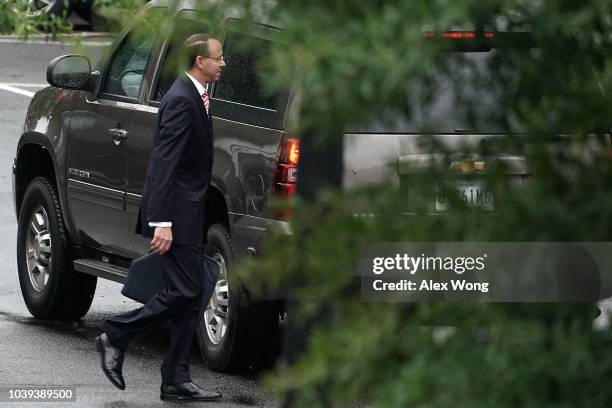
[180,302]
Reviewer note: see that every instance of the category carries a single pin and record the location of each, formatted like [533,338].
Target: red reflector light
[457,35]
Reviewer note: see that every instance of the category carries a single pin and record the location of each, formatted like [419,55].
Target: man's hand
[162,239]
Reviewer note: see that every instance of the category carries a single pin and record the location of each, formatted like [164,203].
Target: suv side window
[242,80]
[187,22]
[243,93]
[126,70]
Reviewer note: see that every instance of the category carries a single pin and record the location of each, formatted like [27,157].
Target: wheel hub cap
[216,312]
[38,249]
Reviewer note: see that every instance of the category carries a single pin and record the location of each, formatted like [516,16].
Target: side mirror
[70,72]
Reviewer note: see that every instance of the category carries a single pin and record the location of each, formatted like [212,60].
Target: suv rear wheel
[50,286]
[234,334]
[46,7]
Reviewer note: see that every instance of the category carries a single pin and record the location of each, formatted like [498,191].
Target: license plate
[472,193]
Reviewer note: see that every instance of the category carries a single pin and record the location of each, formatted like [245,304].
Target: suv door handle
[118,135]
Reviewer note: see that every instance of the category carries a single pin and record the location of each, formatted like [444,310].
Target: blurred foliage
[14,19]
[120,4]
[425,354]
[364,63]
[116,13]
[106,15]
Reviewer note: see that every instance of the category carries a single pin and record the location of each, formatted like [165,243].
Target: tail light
[285,179]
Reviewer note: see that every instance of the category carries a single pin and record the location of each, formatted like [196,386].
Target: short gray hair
[194,45]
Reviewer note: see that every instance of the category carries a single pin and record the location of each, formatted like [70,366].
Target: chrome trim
[255,228]
[245,124]
[78,172]
[244,104]
[113,102]
[95,186]
[262,224]
[147,108]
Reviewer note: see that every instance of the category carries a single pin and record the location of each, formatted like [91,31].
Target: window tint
[461,94]
[186,24]
[128,64]
[243,78]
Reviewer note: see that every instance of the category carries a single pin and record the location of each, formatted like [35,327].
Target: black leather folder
[146,279]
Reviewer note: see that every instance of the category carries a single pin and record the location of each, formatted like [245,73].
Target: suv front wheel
[235,334]
[50,286]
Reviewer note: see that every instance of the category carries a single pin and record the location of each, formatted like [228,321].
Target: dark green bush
[360,61]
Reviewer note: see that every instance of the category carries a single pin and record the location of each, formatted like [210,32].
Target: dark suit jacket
[180,167]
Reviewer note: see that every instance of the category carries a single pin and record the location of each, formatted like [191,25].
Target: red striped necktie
[206,102]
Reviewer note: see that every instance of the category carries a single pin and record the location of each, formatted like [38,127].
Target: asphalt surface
[46,353]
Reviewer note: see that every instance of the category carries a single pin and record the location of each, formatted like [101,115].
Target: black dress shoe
[187,391]
[111,359]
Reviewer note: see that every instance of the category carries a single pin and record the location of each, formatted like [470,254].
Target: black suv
[80,168]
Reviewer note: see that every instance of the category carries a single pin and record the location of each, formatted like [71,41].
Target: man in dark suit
[172,214]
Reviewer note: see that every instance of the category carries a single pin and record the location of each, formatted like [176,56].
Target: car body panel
[96,168]
[46,126]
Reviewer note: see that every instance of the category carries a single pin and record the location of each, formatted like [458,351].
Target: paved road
[34,352]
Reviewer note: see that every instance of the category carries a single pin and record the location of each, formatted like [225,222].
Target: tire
[250,339]
[50,286]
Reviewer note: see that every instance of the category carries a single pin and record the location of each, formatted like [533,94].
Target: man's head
[205,57]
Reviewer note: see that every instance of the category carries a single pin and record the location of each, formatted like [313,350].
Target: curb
[84,37]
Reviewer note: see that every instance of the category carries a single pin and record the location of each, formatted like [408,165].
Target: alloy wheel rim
[38,249]
[37,7]
[217,310]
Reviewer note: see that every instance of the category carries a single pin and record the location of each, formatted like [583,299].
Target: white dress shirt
[201,89]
